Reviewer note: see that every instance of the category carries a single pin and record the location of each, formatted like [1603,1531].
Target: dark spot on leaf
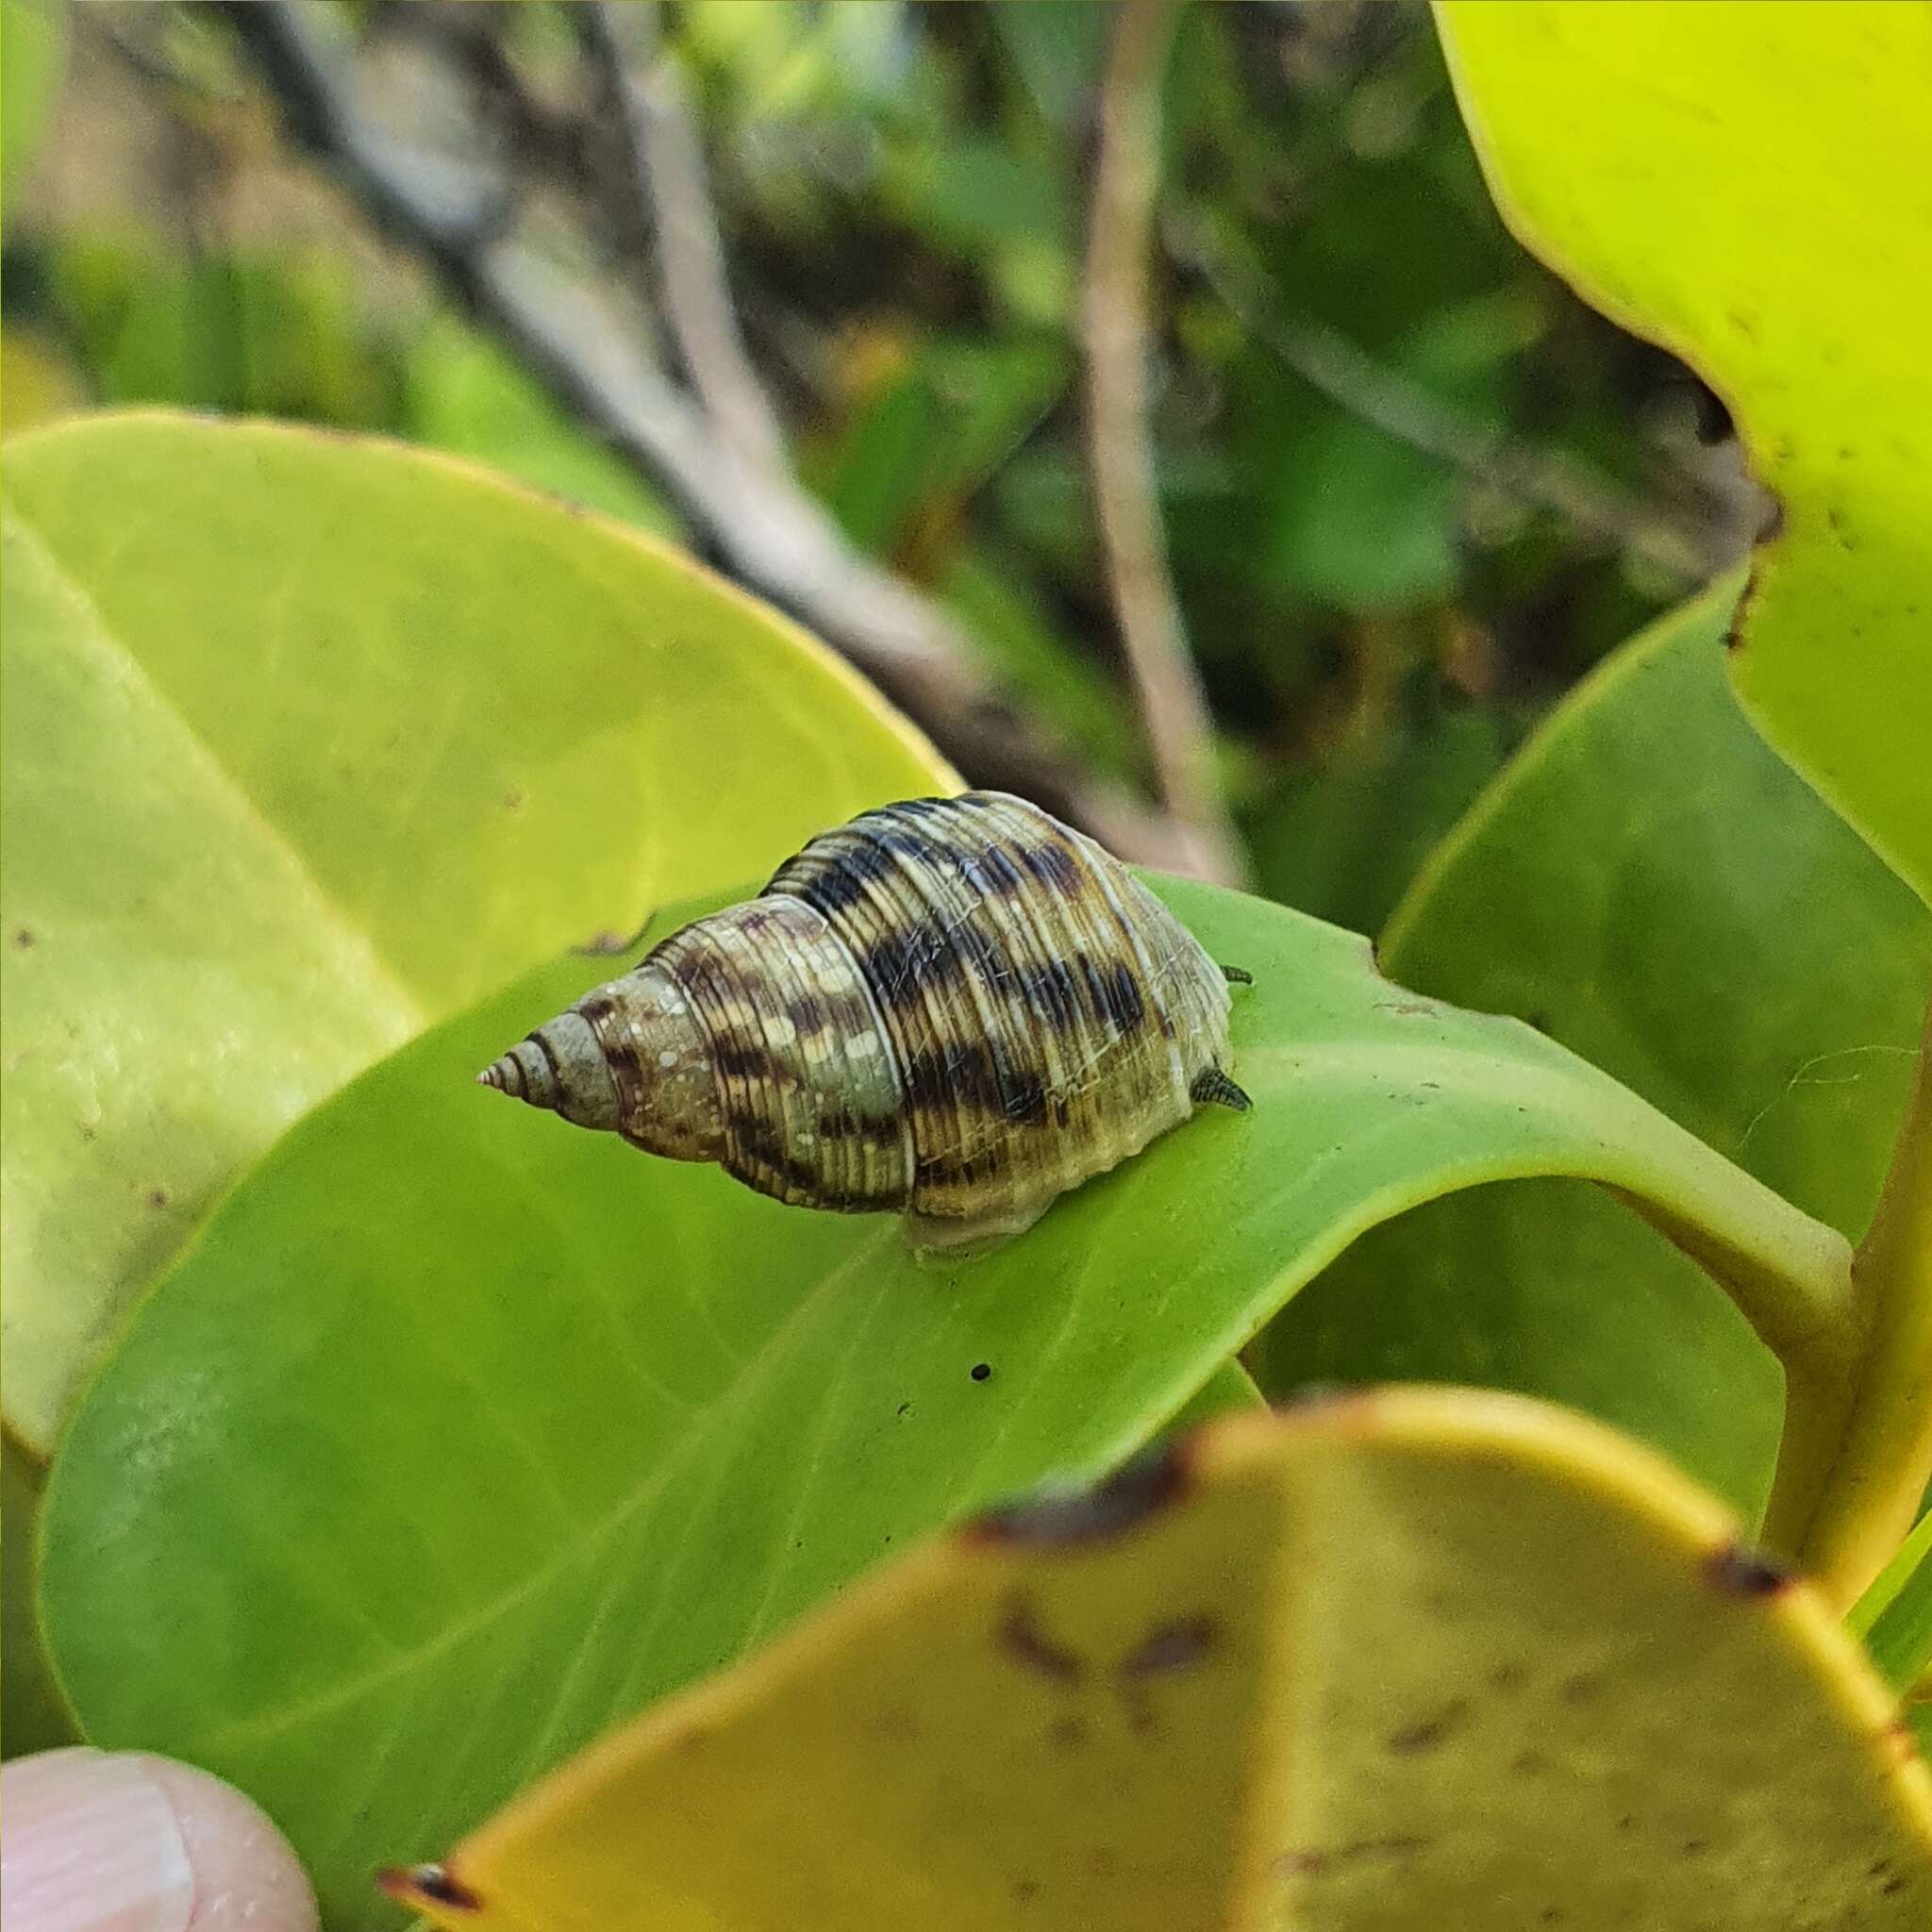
[1133,1493]
[1550,1915]
[1734,635]
[1169,1647]
[158,1197]
[1428,1733]
[1739,1571]
[1529,1763]
[1508,1677]
[904,1408]
[512,800]
[981,1371]
[437,1882]
[23,939]
[1318,1859]
[1580,1689]
[1891,1887]
[1022,1639]
[1693,1847]
[1627,1822]
[1102,1862]
[1068,1733]
[1025,1891]
[1899,1735]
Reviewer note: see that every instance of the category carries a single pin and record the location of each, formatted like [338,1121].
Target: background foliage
[901,192]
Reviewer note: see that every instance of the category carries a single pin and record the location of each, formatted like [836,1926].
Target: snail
[953,1008]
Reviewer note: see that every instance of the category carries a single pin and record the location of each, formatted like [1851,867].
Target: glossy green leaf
[461,1432]
[1653,888]
[310,741]
[1894,1616]
[465,395]
[1747,185]
[1425,1658]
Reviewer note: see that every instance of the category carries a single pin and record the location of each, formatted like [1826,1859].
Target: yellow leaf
[1750,186]
[1416,1657]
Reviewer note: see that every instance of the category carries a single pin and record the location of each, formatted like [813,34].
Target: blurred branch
[666,175]
[1385,398]
[769,533]
[1180,733]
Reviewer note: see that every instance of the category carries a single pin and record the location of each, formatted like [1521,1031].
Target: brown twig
[767,532]
[1173,710]
[1335,368]
[666,179]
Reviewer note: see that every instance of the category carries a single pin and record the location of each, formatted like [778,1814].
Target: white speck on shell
[667,1060]
[780,1031]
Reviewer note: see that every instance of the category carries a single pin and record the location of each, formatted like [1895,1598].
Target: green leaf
[1343,840]
[309,742]
[34,36]
[1747,187]
[466,397]
[1427,1658]
[1894,1616]
[1653,888]
[1363,522]
[32,1715]
[461,1432]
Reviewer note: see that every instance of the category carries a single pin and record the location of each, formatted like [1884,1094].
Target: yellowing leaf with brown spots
[1419,1658]
[1750,186]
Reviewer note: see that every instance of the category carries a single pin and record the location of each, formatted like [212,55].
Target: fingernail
[122,1842]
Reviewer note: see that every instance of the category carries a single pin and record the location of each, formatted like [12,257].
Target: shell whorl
[956,1007]
[563,1067]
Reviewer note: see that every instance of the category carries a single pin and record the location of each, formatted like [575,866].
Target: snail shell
[955,1009]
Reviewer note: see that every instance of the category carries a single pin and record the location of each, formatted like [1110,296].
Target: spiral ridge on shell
[953,1008]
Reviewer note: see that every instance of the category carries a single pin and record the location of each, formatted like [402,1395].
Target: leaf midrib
[725,1403]
[383,975]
